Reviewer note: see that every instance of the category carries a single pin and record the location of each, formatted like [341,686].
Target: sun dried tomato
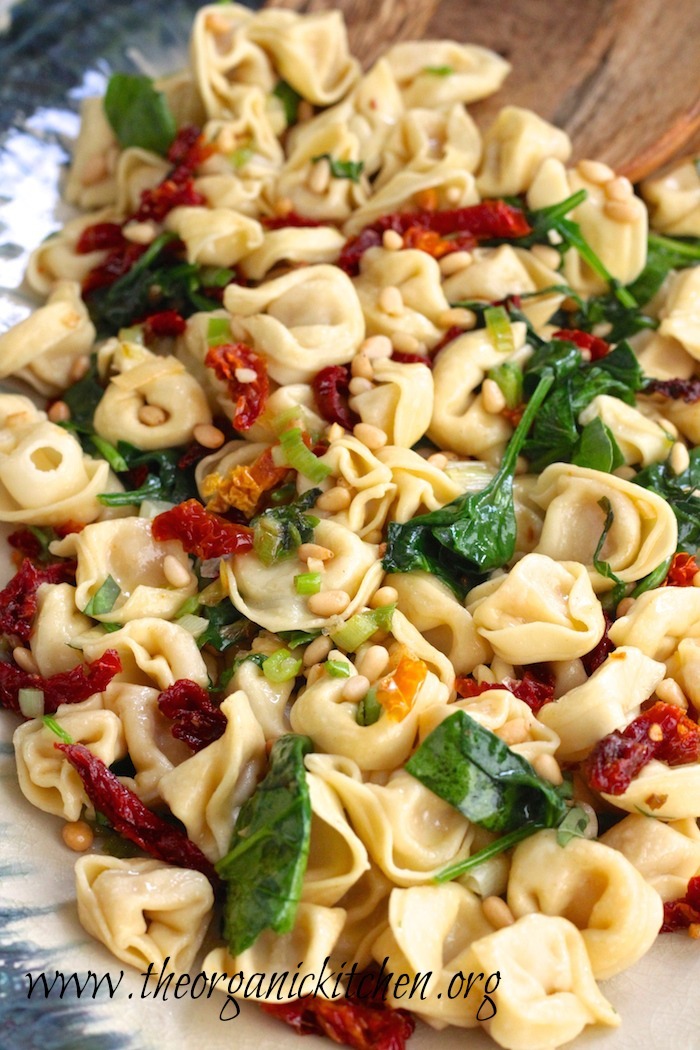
[249,399]
[118,262]
[196,720]
[98,237]
[599,653]
[427,241]
[66,687]
[331,387]
[243,486]
[687,390]
[663,732]
[177,189]
[397,691]
[682,571]
[67,527]
[404,358]
[192,454]
[292,218]
[164,323]
[683,912]
[18,600]
[450,335]
[26,545]
[200,532]
[534,688]
[596,346]
[129,817]
[360,1025]
[188,149]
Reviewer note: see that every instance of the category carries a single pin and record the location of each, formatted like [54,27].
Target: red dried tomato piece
[164,323]
[535,688]
[66,687]
[404,358]
[292,218]
[177,188]
[99,236]
[129,817]
[202,533]
[687,390]
[18,599]
[359,1025]
[331,387]
[197,721]
[663,731]
[683,912]
[67,527]
[249,399]
[118,262]
[188,148]
[596,346]
[192,454]
[26,545]
[682,571]
[599,653]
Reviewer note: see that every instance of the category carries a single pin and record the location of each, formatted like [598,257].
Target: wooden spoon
[620,76]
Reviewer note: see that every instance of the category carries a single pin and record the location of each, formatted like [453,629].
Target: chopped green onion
[308,583]
[190,607]
[240,157]
[218,331]
[51,723]
[292,414]
[110,453]
[132,334]
[301,458]
[103,599]
[31,702]
[510,381]
[439,71]
[268,542]
[281,667]
[194,625]
[337,668]
[499,329]
[369,709]
[215,277]
[360,627]
[342,169]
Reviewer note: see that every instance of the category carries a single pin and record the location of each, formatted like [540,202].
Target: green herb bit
[296,638]
[500,845]
[51,723]
[369,710]
[439,71]
[603,567]
[240,156]
[264,868]
[360,627]
[190,607]
[281,667]
[103,600]
[679,492]
[290,100]
[654,579]
[342,169]
[279,531]
[110,453]
[573,825]
[499,329]
[227,626]
[509,378]
[663,255]
[83,397]
[597,448]
[301,458]
[307,583]
[218,331]
[139,115]
[337,668]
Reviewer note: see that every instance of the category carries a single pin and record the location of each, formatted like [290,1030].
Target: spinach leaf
[476,772]
[83,398]
[104,598]
[679,491]
[597,448]
[139,115]
[663,254]
[342,169]
[290,100]
[603,567]
[475,532]
[227,626]
[278,531]
[265,865]
[165,479]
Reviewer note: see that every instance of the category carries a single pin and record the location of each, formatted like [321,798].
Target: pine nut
[514,732]
[548,768]
[497,912]
[314,674]
[315,565]
[622,211]
[361,367]
[319,176]
[406,343]
[334,500]
[373,662]
[457,316]
[313,550]
[335,432]
[392,241]
[671,693]
[283,206]
[625,472]
[246,375]
[370,435]
[77,835]
[355,689]
[655,732]
[317,651]
[492,397]
[547,255]
[390,301]
[453,195]
[139,232]
[624,607]
[618,189]
[24,658]
[595,171]
[208,436]
[454,262]
[384,596]
[94,170]
[680,458]
[591,830]
[175,572]
[358,385]
[152,415]
[328,603]
[376,346]
[438,460]
[216,23]
[59,412]
[79,368]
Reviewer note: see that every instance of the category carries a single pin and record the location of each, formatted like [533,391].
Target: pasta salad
[355,508]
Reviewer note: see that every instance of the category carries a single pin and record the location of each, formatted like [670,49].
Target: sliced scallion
[281,667]
[218,331]
[194,625]
[307,583]
[110,453]
[301,458]
[369,709]
[360,627]
[499,329]
[103,599]
[337,668]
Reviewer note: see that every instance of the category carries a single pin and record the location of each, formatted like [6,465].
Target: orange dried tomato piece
[682,571]
[243,486]
[249,399]
[397,691]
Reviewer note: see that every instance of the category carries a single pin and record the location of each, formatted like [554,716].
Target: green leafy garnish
[475,532]
[110,453]
[139,115]
[165,479]
[265,865]
[227,626]
[663,255]
[290,100]
[573,826]
[342,169]
[603,567]
[679,492]
[439,71]
[597,448]
[278,531]
[103,599]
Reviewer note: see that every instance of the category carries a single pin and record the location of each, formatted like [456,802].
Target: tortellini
[514,147]
[674,200]
[420,302]
[400,403]
[474,72]
[153,652]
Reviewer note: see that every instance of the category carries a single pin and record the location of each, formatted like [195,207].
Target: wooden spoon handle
[372,24]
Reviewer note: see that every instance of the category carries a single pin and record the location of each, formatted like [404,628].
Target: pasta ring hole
[46,458]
